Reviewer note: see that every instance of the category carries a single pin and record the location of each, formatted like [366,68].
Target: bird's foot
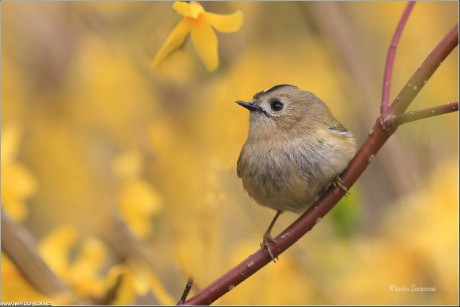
[267,239]
[338,185]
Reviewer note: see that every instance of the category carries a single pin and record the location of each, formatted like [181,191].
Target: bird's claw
[338,184]
[267,239]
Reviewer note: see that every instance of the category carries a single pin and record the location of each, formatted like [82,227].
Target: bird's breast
[278,177]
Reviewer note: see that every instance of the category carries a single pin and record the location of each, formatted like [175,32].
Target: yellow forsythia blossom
[18,182]
[199,24]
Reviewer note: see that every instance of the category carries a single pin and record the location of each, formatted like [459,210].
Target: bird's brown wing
[338,129]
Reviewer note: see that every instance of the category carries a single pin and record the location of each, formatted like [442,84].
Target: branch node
[388,124]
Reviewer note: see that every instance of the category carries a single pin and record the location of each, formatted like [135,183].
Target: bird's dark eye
[276,105]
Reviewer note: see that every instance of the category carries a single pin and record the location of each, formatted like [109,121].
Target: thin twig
[424,72]
[411,116]
[187,289]
[20,247]
[365,155]
[391,57]
[338,31]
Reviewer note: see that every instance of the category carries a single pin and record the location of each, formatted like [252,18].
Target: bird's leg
[337,182]
[268,237]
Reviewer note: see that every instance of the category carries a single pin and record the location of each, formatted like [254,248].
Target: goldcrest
[295,149]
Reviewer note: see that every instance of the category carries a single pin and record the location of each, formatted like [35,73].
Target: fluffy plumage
[294,150]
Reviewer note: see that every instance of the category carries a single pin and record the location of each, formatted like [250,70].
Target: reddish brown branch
[398,120]
[391,57]
[424,72]
[365,155]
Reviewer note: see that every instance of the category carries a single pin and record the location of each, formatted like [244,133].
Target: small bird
[294,151]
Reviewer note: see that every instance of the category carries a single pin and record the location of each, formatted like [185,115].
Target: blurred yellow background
[125,172]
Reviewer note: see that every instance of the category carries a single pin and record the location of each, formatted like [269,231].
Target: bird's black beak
[249,105]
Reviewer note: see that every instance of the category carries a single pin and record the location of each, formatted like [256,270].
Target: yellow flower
[138,199]
[18,182]
[78,261]
[17,288]
[136,281]
[198,23]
